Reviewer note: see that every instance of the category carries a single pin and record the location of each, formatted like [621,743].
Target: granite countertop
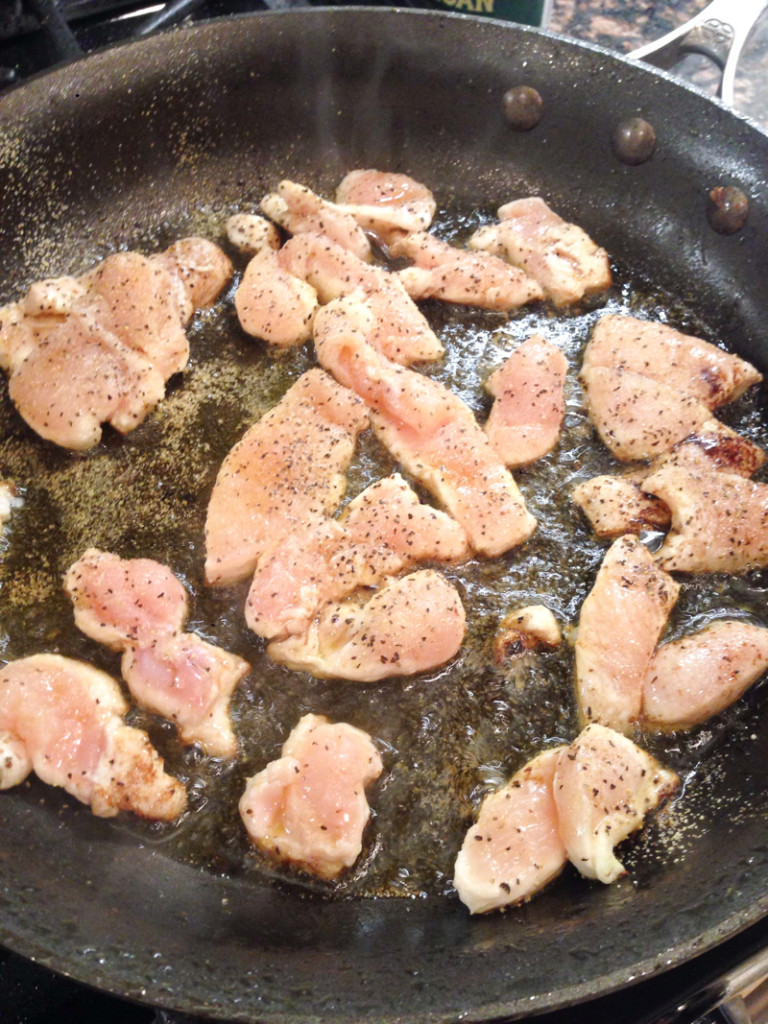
[623,26]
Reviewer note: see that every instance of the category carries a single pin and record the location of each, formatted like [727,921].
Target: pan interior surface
[210,121]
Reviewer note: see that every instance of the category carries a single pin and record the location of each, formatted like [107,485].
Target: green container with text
[525,12]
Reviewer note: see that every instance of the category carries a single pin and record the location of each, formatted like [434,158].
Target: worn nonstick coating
[96,151]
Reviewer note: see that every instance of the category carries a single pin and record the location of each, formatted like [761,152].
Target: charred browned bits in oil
[633,141]
[727,209]
[522,107]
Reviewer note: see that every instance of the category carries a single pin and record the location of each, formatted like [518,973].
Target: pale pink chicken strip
[428,429]
[273,304]
[297,209]
[680,361]
[719,520]
[560,256]
[384,531]
[191,682]
[515,848]
[604,787]
[699,675]
[386,204]
[123,602]
[621,622]
[64,720]
[410,625]
[443,271]
[309,807]
[527,416]
[287,470]
[250,233]
[400,332]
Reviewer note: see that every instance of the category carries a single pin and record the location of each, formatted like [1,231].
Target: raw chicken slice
[693,678]
[560,256]
[400,330]
[297,209]
[428,429]
[387,205]
[636,417]
[384,531]
[191,682]
[64,719]
[621,622]
[719,520]
[527,416]
[309,807]
[124,602]
[410,625]
[616,505]
[250,233]
[604,787]
[201,267]
[680,361]
[515,848]
[274,305]
[525,629]
[287,470]
[442,271]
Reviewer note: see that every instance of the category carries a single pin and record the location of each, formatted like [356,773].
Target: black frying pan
[129,141]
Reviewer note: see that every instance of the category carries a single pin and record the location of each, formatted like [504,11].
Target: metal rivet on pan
[634,140]
[522,107]
[727,209]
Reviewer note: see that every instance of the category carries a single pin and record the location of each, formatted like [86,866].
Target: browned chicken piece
[63,720]
[525,629]
[443,271]
[297,209]
[621,622]
[387,205]
[428,429]
[410,625]
[400,331]
[693,678]
[99,348]
[526,419]
[680,361]
[514,849]
[273,304]
[250,233]
[560,256]
[284,472]
[719,519]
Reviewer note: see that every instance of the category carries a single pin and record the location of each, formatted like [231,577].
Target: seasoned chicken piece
[604,786]
[122,602]
[64,720]
[201,267]
[428,429]
[400,330]
[410,625]
[287,470]
[636,417]
[250,233]
[621,622]
[273,304]
[527,416]
[525,629]
[9,500]
[191,682]
[515,848]
[385,204]
[53,296]
[560,256]
[616,505]
[297,209]
[442,271]
[693,678]
[20,333]
[680,361]
[309,807]
[719,519]
[384,531]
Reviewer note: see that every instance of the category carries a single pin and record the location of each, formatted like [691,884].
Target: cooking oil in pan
[446,738]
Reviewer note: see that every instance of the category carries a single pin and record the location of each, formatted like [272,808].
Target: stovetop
[31,994]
